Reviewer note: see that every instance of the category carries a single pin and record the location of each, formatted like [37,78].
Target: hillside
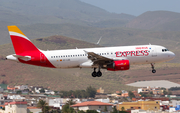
[32,12]
[151,19]
[169,26]
[54,12]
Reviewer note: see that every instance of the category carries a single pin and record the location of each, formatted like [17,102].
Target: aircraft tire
[94,74]
[153,71]
[99,74]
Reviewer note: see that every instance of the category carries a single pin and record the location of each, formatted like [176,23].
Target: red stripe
[24,47]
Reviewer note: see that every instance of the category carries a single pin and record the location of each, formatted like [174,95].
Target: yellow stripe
[15,29]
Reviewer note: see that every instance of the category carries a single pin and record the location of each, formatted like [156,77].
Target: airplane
[111,58]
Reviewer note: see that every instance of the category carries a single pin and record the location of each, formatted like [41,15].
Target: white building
[58,102]
[103,100]
[21,87]
[15,97]
[49,92]
[174,103]
[15,107]
[138,111]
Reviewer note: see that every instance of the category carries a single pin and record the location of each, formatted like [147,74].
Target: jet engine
[119,65]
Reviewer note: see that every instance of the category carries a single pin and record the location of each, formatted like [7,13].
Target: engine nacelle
[119,65]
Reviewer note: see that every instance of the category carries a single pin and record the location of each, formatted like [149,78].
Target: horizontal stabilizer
[25,58]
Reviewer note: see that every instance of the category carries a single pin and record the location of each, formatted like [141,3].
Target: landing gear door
[154,52]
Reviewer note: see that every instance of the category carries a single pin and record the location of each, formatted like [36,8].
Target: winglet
[99,40]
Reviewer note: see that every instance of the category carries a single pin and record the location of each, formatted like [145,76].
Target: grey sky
[136,7]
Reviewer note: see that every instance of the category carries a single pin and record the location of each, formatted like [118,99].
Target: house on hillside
[93,105]
[21,87]
[4,99]
[144,105]
[3,86]
[155,91]
[100,90]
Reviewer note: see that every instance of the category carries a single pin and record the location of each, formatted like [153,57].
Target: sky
[135,7]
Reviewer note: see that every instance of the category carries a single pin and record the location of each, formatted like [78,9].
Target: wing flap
[98,59]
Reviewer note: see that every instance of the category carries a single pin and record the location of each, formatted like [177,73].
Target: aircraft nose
[172,55]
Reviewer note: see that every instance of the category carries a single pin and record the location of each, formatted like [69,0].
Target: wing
[98,59]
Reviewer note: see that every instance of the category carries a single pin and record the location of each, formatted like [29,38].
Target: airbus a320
[111,58]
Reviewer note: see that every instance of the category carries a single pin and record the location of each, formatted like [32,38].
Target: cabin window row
[78,55]
[68,56]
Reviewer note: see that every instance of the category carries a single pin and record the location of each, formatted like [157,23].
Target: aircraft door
[154,52]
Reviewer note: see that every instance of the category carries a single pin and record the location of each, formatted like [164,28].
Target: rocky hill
[152,19]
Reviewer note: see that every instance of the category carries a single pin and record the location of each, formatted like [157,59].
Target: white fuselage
[141,54]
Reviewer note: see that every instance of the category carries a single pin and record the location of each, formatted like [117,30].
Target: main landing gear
[153,70]
[96,74]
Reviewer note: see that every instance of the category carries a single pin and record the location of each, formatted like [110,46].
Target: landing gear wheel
[94,74]
[153,71]
[99,74]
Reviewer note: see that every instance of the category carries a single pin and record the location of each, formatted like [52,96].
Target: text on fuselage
[132,53]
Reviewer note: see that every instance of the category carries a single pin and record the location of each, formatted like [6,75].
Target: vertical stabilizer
[20,42]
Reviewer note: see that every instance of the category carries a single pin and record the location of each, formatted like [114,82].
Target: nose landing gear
[153,70]
[96,74]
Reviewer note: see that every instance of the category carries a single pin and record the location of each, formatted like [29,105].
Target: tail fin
[20,42]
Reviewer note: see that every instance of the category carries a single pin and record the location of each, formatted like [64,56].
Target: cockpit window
[164,50]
